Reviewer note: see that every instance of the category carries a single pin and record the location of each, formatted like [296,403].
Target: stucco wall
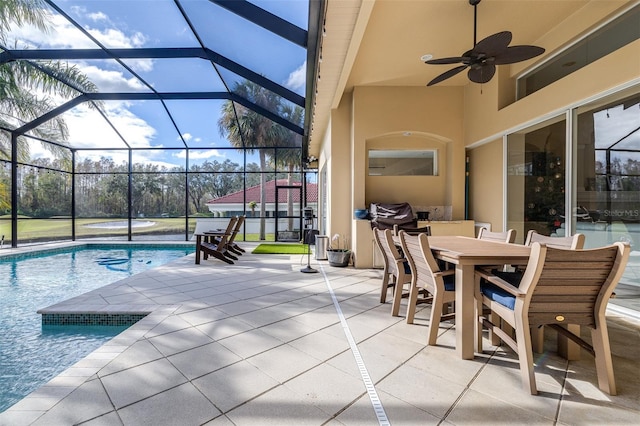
[431,118]
[486,184]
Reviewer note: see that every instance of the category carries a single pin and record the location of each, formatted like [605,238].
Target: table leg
[465,311]
[568,348]
[198,248]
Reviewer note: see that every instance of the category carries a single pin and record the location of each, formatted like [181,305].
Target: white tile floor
[259,343]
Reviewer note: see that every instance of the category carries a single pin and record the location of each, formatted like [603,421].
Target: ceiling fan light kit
[482,59]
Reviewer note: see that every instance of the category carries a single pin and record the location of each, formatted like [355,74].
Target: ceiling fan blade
[447,74]
[445,61]
[515,54]
[482,74]
[494,44]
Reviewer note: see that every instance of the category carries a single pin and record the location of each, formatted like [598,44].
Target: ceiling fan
[485,55]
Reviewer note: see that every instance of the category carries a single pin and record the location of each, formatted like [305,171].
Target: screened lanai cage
[133,120]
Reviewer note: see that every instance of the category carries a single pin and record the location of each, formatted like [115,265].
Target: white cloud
[201,155]
[98,16]
[297,78]
[186,136]
[111,81]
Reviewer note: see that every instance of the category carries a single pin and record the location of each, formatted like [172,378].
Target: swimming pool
[31,354]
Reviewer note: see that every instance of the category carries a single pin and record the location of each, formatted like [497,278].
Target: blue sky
[154,24]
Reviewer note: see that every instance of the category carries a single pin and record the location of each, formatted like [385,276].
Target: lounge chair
[216,244]
[231,245]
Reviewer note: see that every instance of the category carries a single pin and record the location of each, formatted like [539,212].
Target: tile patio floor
[259,343]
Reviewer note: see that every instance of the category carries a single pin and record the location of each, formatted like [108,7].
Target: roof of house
[253,194]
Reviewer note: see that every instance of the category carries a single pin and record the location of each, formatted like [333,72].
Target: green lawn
[60,229]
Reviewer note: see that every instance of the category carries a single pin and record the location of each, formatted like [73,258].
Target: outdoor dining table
[466,253]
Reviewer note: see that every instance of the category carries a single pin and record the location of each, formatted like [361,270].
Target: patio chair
[411,230]
[560,287]
[501,237]
[388,279]
[398,269]
[231,244]
[218,246]
[426,274]
[572,243]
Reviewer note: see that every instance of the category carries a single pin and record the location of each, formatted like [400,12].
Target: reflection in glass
[536,179]
[403,162]
[608,172]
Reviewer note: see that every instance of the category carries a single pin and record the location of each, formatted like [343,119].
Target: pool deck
[260,343]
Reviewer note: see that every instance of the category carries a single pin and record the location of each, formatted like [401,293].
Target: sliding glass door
[536,179]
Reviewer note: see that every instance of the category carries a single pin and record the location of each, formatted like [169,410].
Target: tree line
[102,187]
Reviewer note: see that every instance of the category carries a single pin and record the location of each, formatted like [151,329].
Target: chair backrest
[411,230]
[380,239]
[573,243]
[236,228]
[223,240]
[424,267]
[571,286]
[393,255]
[502,237]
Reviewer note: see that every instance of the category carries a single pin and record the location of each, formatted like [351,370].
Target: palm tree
[25,86]
[251,131]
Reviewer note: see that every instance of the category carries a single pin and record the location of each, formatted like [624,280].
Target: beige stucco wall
[433,118]
[486,184]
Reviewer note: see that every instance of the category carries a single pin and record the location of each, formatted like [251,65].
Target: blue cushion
[449,282]
[407,268]
[497,294]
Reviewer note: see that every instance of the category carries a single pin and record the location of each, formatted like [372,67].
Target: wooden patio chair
[388,278]
[501,237]
[411,230]
[398,269]
[560,287]
[231,244]
[572,243]
[426,274]
[218,246]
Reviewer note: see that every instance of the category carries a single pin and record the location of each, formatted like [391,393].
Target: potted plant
[252,206]
[338,252]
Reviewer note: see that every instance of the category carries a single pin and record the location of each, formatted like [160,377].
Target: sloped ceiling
[379,43]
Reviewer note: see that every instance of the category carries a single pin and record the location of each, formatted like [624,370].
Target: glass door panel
[607,194]
[536,179]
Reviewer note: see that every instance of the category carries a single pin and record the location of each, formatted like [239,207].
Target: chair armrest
[499,282]
[446,272]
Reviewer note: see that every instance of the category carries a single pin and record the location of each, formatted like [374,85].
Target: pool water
[32,354]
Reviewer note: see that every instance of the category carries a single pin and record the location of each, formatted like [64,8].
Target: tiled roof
[253,194]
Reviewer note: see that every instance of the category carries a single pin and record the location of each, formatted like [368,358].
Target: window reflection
[608,172]
[536,179]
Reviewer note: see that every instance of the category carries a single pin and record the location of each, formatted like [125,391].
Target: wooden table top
[466,250]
